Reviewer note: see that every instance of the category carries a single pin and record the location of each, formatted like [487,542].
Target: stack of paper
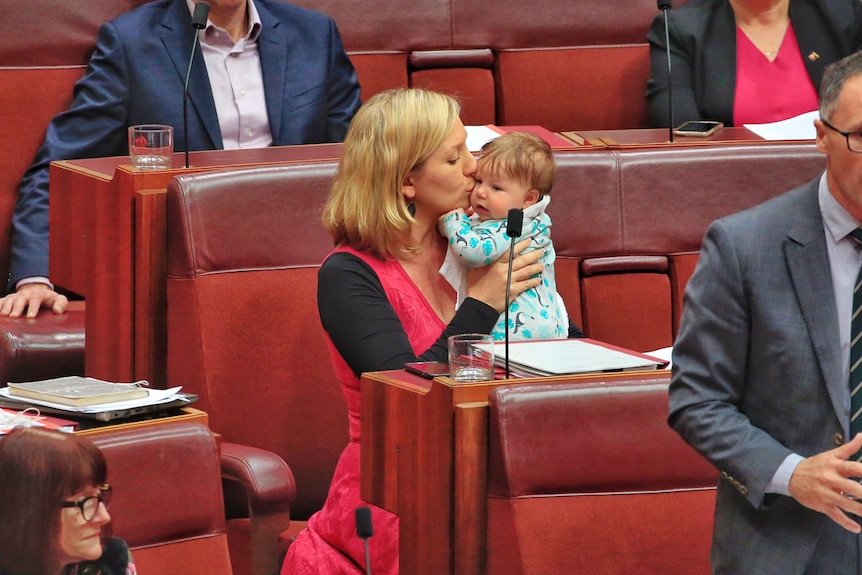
[154,400]
[570,356]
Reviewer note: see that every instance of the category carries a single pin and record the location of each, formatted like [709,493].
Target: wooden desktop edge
[189,414]
[401,379]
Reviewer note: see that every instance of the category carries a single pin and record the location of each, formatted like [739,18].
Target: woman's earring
[411,209]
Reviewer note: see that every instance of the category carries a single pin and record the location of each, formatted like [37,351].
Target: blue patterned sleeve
[476,243]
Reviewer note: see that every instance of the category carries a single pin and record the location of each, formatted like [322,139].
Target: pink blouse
[771,91]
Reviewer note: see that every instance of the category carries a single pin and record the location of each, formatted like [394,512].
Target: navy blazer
[136,76]
[703,54]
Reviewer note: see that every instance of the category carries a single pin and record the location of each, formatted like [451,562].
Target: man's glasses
[854,139]
[89,506]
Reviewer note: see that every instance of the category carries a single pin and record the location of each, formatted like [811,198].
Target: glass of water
[151,146]
[471,357]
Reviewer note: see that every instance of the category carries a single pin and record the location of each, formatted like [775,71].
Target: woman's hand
[488,284]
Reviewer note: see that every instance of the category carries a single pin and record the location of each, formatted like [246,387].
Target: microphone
[199,22]
[365,529]
[664,6]
[514,225]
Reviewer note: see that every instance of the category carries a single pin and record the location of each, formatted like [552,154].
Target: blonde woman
[381,298]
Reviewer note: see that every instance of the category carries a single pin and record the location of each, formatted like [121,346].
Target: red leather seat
[167,501]
[589,478]
[244,247]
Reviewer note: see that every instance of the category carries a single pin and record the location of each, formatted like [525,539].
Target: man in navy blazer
[761,369]
[136,76]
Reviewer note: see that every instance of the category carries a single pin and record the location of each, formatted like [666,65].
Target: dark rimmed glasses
[854,139]
[89,506]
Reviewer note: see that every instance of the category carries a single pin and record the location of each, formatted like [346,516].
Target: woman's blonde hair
[391,135]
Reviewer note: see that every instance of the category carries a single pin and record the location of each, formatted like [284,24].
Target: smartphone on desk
[701,128]
[427,369]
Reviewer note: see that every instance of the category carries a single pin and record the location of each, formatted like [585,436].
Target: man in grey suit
[761,365]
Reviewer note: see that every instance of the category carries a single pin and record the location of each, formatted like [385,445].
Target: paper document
[664,354]
[799,127]
[478,136]
[570,356]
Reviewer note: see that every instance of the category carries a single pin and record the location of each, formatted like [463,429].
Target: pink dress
[330,545]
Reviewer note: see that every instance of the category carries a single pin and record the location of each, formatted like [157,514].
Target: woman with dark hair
[55,507]
[747,61]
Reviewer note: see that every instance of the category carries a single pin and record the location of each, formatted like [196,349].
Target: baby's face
[495,194]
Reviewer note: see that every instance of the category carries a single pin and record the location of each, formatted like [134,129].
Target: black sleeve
[682,59]
[115,560]
[575,330]
[358,317]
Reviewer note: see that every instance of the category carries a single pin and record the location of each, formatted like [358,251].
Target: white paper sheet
[799,127]
[478,136]
[565,356]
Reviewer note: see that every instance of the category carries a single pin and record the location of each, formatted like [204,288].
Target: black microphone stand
[508,290]
[664,6]
[199,22]
[365,529]
[514,223]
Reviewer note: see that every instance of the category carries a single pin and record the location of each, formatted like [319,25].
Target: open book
[570,356]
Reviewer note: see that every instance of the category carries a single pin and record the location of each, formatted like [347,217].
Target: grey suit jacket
[757,375]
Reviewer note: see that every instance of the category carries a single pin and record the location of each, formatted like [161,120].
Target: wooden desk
[108,244]
[186,414]
[660,136]
[424,458]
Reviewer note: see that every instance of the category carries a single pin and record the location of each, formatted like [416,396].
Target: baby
[515,170]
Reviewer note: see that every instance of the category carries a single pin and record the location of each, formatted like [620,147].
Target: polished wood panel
[658,136]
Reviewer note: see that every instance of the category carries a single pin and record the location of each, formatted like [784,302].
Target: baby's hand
[448,215]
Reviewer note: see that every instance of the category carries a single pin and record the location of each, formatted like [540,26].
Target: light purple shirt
[236,80]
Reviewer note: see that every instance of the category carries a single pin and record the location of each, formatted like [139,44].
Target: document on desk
[570,356]
[478,136]
[799,127]
[155,397]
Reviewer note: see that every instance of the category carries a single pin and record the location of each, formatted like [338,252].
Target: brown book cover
[78,391]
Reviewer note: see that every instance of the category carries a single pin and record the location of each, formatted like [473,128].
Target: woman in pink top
[381,298]
[748,61]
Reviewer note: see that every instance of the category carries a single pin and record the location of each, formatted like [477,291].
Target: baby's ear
[531,198]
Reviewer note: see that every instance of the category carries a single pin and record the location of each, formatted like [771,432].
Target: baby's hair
[524,157]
